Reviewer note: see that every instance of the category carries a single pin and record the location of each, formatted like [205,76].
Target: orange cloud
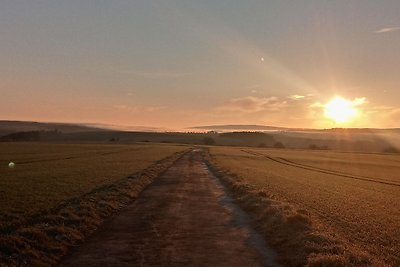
[127,108]
[388,29]
[253,104]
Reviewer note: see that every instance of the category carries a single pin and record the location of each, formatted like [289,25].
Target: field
[47,174]
[323,207]
[314,208]
[56,184]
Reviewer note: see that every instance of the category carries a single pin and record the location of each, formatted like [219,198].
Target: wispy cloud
[296,97]
[128,108]
[317,105]
[253,104]
[379,108]
[388,29]
[156,73]
[359,101]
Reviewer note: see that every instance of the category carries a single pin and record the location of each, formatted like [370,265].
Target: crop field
[349,203]
[56,194]
[47,174]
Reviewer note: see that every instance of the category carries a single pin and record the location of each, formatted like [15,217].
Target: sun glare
[341,110]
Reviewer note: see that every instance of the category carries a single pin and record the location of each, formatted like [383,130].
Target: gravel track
[183,219]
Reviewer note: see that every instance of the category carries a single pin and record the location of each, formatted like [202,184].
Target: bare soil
[184,218]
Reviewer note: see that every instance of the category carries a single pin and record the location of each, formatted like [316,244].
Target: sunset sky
[176,64]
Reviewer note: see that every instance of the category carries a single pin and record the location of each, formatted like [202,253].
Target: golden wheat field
[352,198]
[47,174]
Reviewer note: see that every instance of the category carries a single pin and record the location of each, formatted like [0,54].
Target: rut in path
[184,218]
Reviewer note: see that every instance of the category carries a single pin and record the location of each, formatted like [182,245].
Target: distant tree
[209,141]
[113,139]
[316,147]
[23,136]
[248,138]
[391,149]
[248,135]
[313,147]
[279,145]
[262,145]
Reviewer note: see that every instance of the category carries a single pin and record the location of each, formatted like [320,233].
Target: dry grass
[314,213]
[58,194]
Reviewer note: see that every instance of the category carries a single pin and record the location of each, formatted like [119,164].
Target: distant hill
[134,128]
[239,127]
[9,127]
[361,140]
[254,127]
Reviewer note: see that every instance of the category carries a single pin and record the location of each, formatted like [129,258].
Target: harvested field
[57,194]
[337,208]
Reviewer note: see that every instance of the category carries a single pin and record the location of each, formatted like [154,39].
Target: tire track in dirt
[183,219]
[321,170]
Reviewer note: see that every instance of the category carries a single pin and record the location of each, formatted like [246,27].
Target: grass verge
[43,238]
[297,237]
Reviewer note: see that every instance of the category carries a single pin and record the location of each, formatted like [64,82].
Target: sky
[176,64]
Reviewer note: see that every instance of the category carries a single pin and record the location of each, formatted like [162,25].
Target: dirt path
[183,219]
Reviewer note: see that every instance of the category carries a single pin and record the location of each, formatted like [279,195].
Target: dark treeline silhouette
[246,139]
[31,136]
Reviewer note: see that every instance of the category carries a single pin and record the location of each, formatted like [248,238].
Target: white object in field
[11,165]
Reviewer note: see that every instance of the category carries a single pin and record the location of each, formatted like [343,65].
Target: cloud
[384,116]
[253,104]
[355,102]
[389,29]
[253,88]
[359,101]
[317,105]
[380,108]
[296,97]
[127,108]
[156,73]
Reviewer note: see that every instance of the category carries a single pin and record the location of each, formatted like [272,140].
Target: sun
[341,110]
